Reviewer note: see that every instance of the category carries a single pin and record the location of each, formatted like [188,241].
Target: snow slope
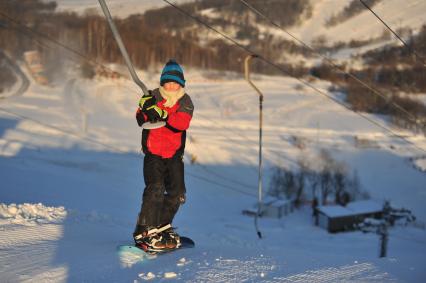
[396,13]
[118,8]
[72,150]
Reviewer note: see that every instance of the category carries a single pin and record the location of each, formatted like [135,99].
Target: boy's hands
[155,113]
[146,101]
[148,105]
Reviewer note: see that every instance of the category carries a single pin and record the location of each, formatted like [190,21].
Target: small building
[272,207]
[336,218]
[277,208]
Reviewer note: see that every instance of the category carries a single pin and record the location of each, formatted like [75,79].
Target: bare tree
[276,185]
[300,180]
[325,185]
[289,184]
[339,186]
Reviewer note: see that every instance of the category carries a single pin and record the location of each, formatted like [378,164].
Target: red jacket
[168,141]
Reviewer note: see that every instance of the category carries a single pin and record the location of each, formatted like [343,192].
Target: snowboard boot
[140,233]
[152,238]
[155,242]
[172,238]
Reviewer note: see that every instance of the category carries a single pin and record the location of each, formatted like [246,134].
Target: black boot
[172,238]
[139,233]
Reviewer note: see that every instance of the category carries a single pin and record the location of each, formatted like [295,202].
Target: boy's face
[171,86]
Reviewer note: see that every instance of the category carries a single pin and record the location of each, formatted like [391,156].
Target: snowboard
[136,250]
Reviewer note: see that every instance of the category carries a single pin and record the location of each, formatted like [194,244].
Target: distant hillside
[119,8]
[230,12]
[153,37]
[159,34]
[355,7]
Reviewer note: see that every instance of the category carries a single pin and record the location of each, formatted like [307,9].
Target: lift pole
[259,203]
[117,37]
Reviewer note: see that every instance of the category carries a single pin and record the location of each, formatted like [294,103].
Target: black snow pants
[164,190]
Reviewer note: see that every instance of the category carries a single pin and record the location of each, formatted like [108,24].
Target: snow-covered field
[396,13]
[71,185]
[119,8]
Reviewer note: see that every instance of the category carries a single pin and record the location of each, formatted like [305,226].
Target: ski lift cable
[115,148]
[299,79]
[222,185]
[137,93]
[334,65]
[229,179]
[394,33]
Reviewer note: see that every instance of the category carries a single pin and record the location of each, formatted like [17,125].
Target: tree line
[328,181]
[150,39]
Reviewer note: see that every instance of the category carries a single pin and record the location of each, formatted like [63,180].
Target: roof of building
[353,208]
[273,201]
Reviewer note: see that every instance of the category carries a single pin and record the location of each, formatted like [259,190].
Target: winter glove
[146,101]
[155,113]
[140,117]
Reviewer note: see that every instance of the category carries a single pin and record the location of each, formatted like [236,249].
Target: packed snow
[31,213]
[420,163]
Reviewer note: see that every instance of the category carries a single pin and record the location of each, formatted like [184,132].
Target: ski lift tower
[247,76]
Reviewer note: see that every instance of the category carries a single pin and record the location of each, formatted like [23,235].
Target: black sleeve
[140,118]
[186,105]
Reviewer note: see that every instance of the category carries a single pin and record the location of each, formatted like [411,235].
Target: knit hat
[172,72]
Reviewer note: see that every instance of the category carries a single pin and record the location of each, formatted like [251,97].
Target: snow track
[364,272]
[27,250]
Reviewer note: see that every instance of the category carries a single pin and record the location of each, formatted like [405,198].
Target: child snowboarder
[163,167]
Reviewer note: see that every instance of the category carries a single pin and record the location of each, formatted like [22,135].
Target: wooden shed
[336,218]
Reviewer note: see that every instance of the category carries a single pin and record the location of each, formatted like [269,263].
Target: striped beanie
[172,72]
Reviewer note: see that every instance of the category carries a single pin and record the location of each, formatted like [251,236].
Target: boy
[163,162]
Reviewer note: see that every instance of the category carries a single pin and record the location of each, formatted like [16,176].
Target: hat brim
[170,78]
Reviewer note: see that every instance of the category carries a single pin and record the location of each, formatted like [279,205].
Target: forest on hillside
[150,39]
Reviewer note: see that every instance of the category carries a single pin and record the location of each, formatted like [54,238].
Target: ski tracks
[262,269]
[234,270]
[27,250]
[362,272]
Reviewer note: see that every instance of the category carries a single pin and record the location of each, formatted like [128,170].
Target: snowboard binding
[156,240]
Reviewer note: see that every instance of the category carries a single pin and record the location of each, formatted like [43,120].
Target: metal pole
[122,47]
[259,204]
[384,238]
[146,125]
